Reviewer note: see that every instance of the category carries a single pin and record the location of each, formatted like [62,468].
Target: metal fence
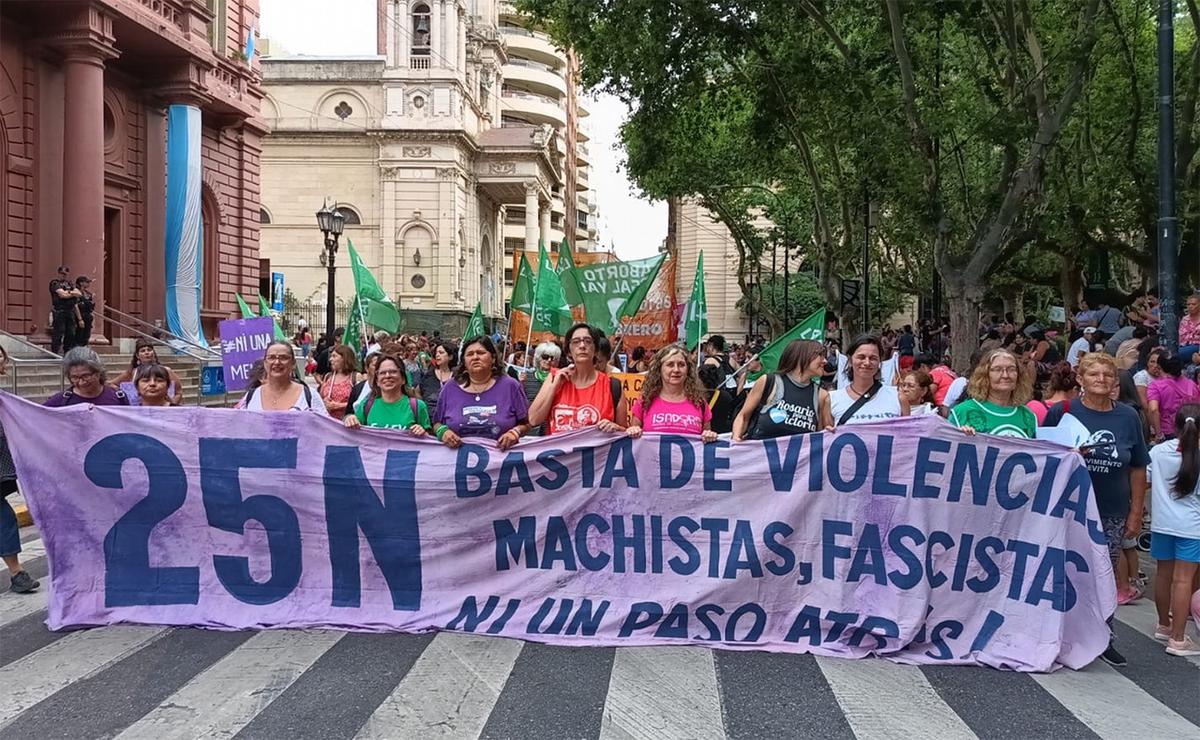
[312,312]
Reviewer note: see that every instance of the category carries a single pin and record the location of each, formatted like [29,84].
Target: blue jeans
[10,533]
[1187,351]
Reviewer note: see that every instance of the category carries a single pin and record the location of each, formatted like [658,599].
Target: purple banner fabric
[243,342]
[907,539]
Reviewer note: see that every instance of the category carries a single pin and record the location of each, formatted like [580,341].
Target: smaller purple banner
[243,342]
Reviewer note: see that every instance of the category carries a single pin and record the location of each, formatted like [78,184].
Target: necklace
[487,385]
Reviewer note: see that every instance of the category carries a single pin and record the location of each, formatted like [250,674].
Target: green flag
[695,315]
[264,309]
[247,312]
[475,326]
[812,327]
[614,290]
[522,292]
[566,273]
[550,310]
[352,338]
[374,305]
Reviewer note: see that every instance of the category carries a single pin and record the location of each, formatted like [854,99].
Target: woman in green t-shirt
[389,406]
[998,391]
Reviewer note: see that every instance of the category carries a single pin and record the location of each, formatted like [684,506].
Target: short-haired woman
[790,401]
[997,392]
[673,400]
[280,391]
[866,398]
[152,382]
[580,394]
[144,353]
[1175,528]
[336,388]
[85,372]
[1116,458]
[482,400]
[916,387]
[390,406]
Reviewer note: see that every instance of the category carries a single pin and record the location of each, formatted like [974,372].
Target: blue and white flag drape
[185,238]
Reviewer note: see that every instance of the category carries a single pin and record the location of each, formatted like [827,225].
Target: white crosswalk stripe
[1112,705]
[887,700]
[450,690]
[42,673]
[664,692]
[15,606]
[1143,617]
[224,698]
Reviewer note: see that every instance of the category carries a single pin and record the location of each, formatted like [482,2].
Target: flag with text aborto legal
[812,328]
[613,290]
[475,326]
[696,313]
[550,311]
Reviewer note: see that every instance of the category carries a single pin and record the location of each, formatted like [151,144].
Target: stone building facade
[84,90]
[428,158]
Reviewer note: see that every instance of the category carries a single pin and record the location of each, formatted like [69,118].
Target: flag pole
[532,311]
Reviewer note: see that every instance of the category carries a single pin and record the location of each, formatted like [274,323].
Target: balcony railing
[532,96]
[534,65]
[417,61]
[517,31]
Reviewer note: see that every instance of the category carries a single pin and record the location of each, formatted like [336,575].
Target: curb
[23,518]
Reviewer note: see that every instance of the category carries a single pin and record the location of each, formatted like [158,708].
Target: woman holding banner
[280,391]
[87,376]
[580,395]
[998,390]
[153,382]
[1116,458]
[673,400]
[790,401]
[482,400]
[867,397]
[390,406]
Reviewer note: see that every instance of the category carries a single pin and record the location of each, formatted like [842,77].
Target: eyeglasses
[1003,370]
[80,377]
[387,373]
[279,358]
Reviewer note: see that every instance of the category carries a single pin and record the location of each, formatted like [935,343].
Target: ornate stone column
[544,225]
[86,43]
[531,215]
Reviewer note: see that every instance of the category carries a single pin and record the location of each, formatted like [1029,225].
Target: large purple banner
[908,539]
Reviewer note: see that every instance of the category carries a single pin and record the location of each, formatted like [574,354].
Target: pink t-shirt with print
[672,417]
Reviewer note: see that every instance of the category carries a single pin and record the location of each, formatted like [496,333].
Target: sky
[633,225]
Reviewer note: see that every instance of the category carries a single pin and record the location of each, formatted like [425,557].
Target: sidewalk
[18,504]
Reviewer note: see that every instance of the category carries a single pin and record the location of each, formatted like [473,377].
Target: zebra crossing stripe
[1112,705]
[450,690]
[34,548]
[41,674]
[663,692]
[15,606]
[882,699]
[223,699]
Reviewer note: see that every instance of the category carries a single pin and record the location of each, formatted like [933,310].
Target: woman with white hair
[85,372]
[545,356]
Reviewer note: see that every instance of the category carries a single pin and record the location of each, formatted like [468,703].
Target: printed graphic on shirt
[686,423]
[1103,455]
[569,418]
[793,415]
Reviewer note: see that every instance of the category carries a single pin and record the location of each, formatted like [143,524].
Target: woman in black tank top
[790,401]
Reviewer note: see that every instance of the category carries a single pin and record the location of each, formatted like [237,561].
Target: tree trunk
[1070,281]
[964,300]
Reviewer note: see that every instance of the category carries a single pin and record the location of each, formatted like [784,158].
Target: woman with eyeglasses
[390,406]
[916,387]
[145,354]
[280,391]
[997,392]
[20,582]
[580,394]
[866,398]
[85,372]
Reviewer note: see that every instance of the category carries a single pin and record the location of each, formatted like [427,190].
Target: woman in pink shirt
[673,399]
[1167,393]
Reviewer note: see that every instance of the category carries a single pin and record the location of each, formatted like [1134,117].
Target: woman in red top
[580,395]
[335,390]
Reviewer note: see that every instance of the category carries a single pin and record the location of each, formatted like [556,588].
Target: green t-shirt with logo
[396,415]
[989,418]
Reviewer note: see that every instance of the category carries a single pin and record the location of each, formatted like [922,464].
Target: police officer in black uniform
[63,296]
[84,311]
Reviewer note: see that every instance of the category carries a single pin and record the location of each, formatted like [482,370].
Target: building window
[263,216]
[351,216]
[216,27]
[343,110]
[508,276]
[420,30]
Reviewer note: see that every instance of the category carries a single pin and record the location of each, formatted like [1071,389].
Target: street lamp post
[331,222]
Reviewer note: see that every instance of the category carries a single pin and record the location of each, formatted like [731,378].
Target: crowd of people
[1131,406]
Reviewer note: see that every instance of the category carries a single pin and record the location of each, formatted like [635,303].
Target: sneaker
[1128,597]
[1113,658]
[1161,633]
[1184,648]
[23,583]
